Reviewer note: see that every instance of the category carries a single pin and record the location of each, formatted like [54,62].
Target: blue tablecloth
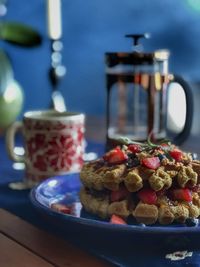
[18,203]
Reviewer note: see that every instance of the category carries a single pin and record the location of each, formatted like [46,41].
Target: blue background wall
[92,27]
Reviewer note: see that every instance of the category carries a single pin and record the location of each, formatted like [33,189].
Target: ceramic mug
[53,143]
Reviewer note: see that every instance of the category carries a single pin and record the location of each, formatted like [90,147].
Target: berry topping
[164,145]
[132,161]
[61,208]
[120,194]
[196,188]
[176,154]
[161,156]
[147,196]
[134,148]
[161,192]
[151,163]
[181,194]
[117,220]
[115,156]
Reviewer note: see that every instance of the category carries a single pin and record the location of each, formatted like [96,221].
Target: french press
[137,85]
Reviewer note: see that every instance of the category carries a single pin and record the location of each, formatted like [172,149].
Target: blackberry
[132,162]
[161,156]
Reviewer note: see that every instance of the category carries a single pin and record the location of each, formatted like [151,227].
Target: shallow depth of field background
[92,27]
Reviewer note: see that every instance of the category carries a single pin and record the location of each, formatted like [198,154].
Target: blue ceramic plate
[101,234]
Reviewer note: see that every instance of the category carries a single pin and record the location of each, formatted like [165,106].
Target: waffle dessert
[151,183]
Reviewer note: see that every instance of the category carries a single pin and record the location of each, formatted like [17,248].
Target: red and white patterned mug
[54,143]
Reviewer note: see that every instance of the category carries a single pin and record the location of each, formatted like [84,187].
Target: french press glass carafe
[137,85]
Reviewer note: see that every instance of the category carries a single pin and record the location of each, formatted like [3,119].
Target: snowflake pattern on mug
[54,147]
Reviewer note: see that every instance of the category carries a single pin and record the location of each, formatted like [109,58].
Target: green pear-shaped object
[11,103]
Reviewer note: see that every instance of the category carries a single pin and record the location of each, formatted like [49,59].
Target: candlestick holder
[56,72]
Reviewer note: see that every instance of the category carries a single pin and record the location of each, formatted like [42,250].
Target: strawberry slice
[117,220]
[176,154]
[134,148]
[120,194]
[61,208]
[147,196]
[181,194]
[151,163]
[115,156]
[164,145]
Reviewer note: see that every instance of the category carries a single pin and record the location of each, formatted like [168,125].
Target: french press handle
[183,135]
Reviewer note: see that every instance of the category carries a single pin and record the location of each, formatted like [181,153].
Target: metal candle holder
[56,72]
[57,69]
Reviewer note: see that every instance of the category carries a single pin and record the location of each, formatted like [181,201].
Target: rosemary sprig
[148,145]
[149,142]
[127,141]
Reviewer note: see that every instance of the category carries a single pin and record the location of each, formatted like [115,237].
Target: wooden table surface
[23,245]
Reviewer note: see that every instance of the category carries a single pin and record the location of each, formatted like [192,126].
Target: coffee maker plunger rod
[136,37]
[136,93]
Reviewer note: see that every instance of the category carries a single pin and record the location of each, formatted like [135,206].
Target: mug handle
[183,135]
[10,141]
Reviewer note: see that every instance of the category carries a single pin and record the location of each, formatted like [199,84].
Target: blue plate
[114,242]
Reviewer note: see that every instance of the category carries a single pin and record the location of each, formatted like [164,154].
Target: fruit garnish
[132,161]
[164,144]
[181,194]
[161,192]
[196,188]
[161,156]
[176,154]
[151,163]
[116,155]
[117,220]
[194,156]
[134,148]
[147,196]
[61,208]
[120,194]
